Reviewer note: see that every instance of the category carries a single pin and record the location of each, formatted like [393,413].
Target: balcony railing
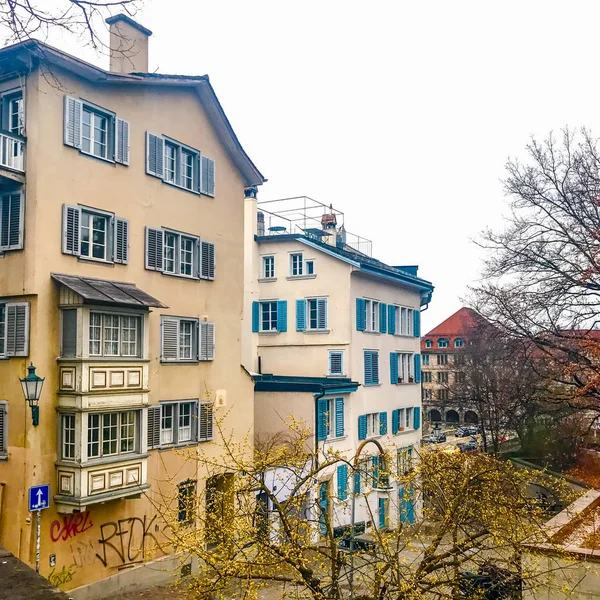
[12,149]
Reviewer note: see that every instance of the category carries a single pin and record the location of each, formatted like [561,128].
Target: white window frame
[408,418]
[108,219]
[4,306]
[405,323]
[123,318]
[101,428]
[459,343]
[428,344]
[176,409]
[67,437]
[405,460]
[178,250]
[180,152]
[425,358]
[9,99]
[427,378]
[268,267]
[446,344]
[298,259]
[373,425]
[406,367]
[318,313]
[442,359]
[372,321]
[272,316]
[96,113]
[341,353]
[195,338]
[310,266]
[442,377]
[427,394]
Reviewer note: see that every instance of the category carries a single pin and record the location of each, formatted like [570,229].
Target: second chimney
[128,45]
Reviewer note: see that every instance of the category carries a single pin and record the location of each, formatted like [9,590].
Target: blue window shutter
[417,417]
[361,314]
[394,368]
[362,427]
[395,421]
[402,505]
[417,317]
[410,506]
[417,368]
[375,463]
[322,313]
[375,362]
[391,319]
[323,507]
[342,482]
[382,423]
[300,315]
[357,482]
[368,367]
[382,317]
[339,417]
[321,419]
[382,513]
[255,316]
[281,315]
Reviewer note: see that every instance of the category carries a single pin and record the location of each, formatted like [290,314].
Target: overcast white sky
[402,114]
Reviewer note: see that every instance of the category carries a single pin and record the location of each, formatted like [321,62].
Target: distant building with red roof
[441,350]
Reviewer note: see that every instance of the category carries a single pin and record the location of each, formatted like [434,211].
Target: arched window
[428,344]
[442,343]
[459,343]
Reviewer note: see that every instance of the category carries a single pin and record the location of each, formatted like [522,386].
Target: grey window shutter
[121,238]
[155,151]
[205,422]
[169,337]
[195,421]
[207,341]
[207,260]
[3,429]
[11,221]
[322,313]
[207,179]
[72,124]
[122,141]
[17,329]
[69,333]
[71,229]
[153,427]
[154,249]
[196,173]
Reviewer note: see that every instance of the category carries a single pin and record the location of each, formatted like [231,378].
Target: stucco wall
[58,174]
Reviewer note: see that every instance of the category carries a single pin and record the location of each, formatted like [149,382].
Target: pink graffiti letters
[71,526]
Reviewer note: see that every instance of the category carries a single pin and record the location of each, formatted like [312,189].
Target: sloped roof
[103,291]
[24,56]
[364,263]
[461,322]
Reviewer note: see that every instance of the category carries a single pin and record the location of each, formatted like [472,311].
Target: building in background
[333,338]
[442,351]
[121,279]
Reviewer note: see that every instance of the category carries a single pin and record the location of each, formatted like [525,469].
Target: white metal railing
[12,150]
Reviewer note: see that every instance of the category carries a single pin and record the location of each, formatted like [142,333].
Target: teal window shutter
[322,419]
[323,507]
[362,427]
[382,317]
[339,417]
[410,516]
[394,368]
[395,421]
[417,317]
[361,314]
[281,315]
[255,316]
[417,368]
[342,482]
[391,319]
[368,367]
[417,417]
[300,315]
[357,481]
[375,463]
[382,515]
[375,362]
[402,505]
[382,423]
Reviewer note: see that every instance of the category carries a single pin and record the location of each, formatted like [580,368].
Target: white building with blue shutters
[333,341]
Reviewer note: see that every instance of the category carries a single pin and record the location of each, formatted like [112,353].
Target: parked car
[434,438]
[469,446]
[466,431]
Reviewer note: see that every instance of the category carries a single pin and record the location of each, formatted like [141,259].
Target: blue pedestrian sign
[39,497]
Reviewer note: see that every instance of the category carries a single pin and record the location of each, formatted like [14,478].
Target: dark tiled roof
[102,291]
[286,383]
[171,76]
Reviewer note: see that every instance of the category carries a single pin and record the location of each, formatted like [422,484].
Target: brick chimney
[128,45]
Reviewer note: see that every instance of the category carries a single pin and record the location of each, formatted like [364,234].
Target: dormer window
[428,344]
[459,343]
[442,343]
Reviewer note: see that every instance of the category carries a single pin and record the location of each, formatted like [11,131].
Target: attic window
[459,343]
[428,344]
[442,343]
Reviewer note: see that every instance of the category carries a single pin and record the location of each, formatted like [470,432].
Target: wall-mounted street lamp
[32,390]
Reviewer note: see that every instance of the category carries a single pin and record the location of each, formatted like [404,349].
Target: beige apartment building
[121,280]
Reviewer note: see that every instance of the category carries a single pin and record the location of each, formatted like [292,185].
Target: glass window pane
[166,424]
[93,436]
[111,335]
[184,433]
[110,433]
[95,333]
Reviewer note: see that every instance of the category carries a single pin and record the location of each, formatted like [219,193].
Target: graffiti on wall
[70,526]
[127,541]
[65,575]
[83,553]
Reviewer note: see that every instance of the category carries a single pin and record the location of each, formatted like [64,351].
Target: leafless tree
[541,282]
[24,19]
